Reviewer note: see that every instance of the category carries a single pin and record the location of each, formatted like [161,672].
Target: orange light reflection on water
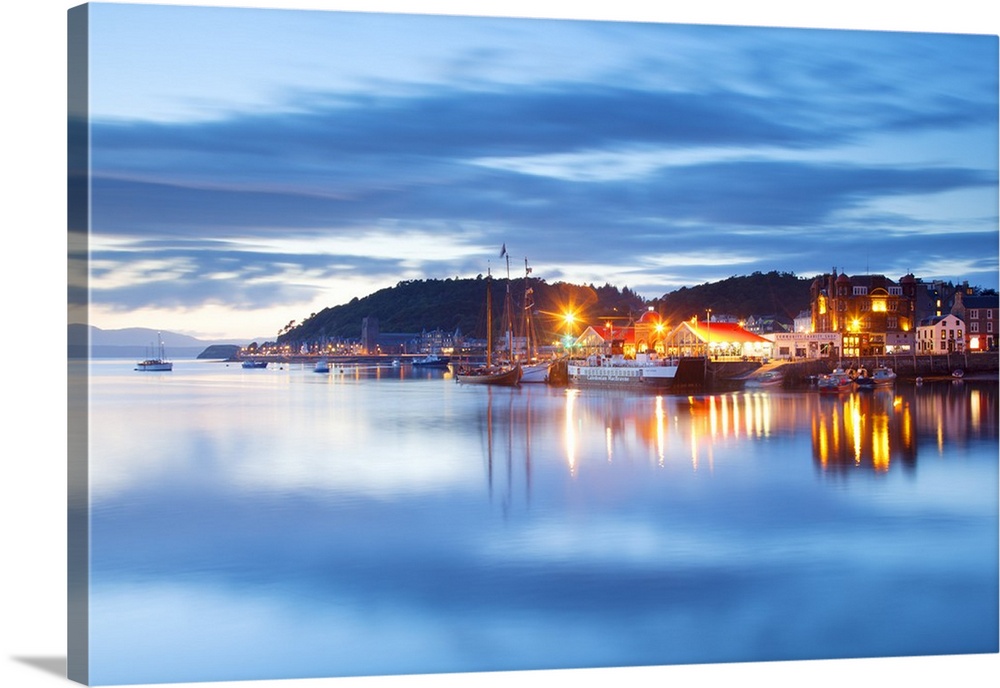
[858,430]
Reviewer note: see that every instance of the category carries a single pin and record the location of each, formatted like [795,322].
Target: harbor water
[280,523]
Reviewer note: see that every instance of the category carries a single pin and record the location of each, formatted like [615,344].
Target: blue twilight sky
[253,166]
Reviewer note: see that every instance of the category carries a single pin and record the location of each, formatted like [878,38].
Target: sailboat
[532,370]
[154,363]
[508,374]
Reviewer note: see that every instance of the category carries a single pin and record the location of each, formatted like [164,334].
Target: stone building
[873,314]
[980,313]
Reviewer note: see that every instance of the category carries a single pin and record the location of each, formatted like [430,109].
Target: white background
[33,339]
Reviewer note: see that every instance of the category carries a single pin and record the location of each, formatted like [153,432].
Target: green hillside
[416,305]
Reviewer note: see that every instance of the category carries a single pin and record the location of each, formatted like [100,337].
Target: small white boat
[771,378]
[535,372]
[253,365]
[322,366]
[153,364]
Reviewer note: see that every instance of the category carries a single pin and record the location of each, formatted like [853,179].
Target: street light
[569,318]
[708,336]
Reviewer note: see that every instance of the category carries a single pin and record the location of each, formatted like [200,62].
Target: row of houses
[850,316]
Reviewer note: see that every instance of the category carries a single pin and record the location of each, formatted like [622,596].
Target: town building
[941,334]
[650,335]
[804,344]
[980,313]
[369,335]
[873,314]
[768,324]
[717,340]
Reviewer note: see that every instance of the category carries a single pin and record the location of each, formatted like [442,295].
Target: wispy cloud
[653,153]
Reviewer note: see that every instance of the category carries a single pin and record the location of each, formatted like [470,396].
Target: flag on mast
[503,251]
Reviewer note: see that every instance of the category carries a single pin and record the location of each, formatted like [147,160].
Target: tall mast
[508,306]
[489,319]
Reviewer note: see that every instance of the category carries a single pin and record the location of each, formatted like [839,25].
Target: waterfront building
[980,313]
[941,334]
[369,335]
[645,335]
[439,341]
[873,314]
[716,340]
[803,344]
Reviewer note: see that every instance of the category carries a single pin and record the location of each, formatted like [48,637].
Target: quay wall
[906,366]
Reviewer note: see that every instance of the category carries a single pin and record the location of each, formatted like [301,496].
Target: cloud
[774,146]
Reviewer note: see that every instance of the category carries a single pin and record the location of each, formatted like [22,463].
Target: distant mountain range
[136,342]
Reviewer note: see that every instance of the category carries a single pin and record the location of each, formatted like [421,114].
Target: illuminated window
[879,306]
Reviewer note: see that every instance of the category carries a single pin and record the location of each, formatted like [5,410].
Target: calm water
[278,523]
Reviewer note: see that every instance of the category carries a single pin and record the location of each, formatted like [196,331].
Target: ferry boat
[602,370]
[153,364]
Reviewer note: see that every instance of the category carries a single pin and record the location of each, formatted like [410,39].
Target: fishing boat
[602,370]
[493,372]
[880,377]
[835,382]
[250,364]
[156,363]
[322,366]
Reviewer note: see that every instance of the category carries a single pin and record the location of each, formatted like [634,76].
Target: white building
[792,345]
[941,334]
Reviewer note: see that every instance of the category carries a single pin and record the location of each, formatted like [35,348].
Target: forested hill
[772,293]
[416,305]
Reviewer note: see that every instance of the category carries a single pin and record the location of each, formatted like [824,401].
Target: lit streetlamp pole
[708,336]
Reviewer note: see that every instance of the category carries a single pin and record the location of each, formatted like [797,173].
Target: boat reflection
[870,431]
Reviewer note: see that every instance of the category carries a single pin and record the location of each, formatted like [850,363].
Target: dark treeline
[773,293]
[416,305]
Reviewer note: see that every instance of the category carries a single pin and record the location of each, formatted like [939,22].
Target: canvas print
[411,344]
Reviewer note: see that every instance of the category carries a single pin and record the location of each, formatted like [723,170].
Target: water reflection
[870,431]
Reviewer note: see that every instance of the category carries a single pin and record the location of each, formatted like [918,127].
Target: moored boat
[249,364]
[322,366]
[771,378]
[880,377]
[432,361]
[535,372]
[508,374]
[490,375]
[835,382]
[156,363]
[645,370]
